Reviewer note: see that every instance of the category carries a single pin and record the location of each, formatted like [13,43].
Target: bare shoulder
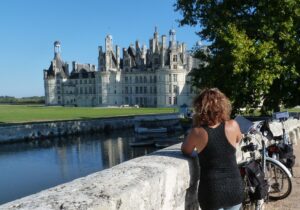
[232,125]
[197,132]
[233,132]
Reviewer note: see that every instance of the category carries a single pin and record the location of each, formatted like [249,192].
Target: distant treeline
[23,100]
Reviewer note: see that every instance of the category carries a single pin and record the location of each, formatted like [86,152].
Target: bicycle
[255,184]
[281,148]
[276,176]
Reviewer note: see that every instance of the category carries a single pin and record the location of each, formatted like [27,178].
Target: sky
[28,29]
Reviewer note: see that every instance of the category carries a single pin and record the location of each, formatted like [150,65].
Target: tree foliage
[253,54]
[23,100]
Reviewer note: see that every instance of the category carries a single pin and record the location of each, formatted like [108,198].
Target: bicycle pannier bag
[256,180]
[286,155]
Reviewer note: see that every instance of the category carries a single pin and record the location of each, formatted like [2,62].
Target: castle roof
[60,65]
[82,73]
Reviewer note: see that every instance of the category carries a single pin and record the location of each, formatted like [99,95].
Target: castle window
[170,77]
[81,90]
[170,88]
[174,58]
[130,90]
[85,90]
[175,77]
[155,90]
[126,79]
[174,66]
[85,82]
[90,90]
[126,90]
[154,79]
[175,100]
[145,79]
[141,89]
[170,100]
[175,89]
[145,89]
[136,90]
[136,79]
[141,79]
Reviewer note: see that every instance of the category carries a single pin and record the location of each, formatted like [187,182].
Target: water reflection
[27,168]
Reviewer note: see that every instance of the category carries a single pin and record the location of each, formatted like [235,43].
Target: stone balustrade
[165,179]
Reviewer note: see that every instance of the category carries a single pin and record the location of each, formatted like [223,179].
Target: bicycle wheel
[279,182]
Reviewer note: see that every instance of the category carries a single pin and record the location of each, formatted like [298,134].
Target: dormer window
[174,58]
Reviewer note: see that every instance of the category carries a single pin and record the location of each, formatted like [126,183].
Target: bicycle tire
[279,182]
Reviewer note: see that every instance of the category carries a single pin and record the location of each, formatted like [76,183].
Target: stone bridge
[162,180]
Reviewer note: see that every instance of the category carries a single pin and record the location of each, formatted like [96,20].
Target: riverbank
[42,130]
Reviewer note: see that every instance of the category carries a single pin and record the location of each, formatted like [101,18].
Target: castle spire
[57,49]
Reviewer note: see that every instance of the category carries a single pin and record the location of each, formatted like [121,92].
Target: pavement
[292,202]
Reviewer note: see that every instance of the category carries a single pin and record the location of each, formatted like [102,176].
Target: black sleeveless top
[220,184]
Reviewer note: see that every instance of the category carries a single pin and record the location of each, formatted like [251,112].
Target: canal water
[27,168]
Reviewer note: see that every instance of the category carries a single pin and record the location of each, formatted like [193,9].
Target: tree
[253,51]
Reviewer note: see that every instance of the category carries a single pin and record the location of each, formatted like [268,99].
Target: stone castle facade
[154,77]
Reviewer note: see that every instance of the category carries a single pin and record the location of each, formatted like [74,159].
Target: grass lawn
[35,113]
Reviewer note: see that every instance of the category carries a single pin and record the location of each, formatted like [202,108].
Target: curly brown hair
[211,106]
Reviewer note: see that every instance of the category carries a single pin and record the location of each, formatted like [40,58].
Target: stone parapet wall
[162,180]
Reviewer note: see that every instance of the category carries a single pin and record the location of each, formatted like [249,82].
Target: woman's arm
[189,143]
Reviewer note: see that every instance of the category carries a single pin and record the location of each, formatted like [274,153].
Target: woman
[215,138]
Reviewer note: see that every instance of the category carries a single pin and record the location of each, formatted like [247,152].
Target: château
[154,77]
